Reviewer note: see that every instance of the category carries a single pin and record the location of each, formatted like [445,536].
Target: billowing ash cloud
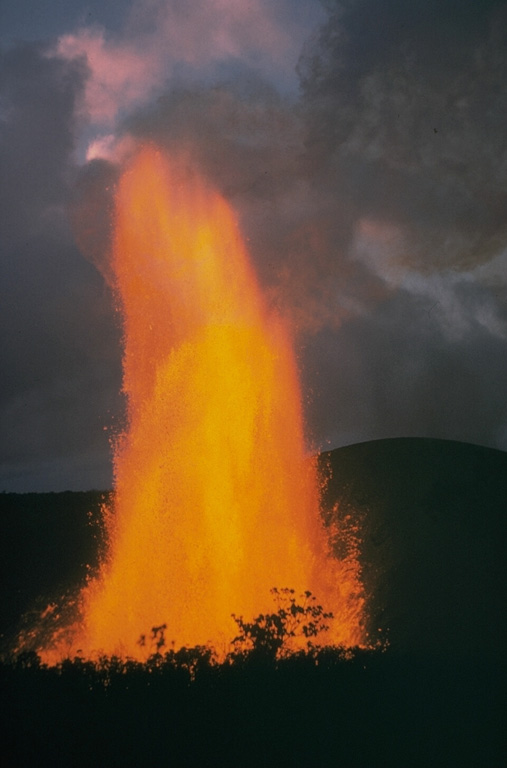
[372,202]
[405,108]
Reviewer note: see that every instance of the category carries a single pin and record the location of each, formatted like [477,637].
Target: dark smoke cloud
[405,106]
[91,209]
[59,352]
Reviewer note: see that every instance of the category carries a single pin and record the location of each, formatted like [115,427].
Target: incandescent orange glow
[215,501]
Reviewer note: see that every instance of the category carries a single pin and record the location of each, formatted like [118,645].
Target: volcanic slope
[433,521]
[49,542]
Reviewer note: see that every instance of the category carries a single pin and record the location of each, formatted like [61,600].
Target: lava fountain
[215,502]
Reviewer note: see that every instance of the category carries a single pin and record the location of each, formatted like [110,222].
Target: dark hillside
[433,515]
[47,540]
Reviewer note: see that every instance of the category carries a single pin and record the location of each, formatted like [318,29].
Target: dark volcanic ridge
[433,521]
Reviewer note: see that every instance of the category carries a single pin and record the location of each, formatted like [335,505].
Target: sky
[362,145]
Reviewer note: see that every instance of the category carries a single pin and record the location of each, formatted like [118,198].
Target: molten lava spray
[215,502]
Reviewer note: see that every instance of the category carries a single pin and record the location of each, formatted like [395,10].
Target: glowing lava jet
[215,502]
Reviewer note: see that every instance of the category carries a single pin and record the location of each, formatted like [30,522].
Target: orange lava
[215,501]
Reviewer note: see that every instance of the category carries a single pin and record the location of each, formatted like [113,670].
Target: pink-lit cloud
[160,37]
[110,147]
[119,72]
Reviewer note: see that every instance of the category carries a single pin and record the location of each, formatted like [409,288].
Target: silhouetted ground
[432,516]
[48,541]
[378,709]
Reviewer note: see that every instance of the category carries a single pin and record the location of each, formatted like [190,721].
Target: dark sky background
[363,146]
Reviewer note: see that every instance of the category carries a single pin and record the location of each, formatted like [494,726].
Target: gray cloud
[405,108]
[393,372]
[57,338]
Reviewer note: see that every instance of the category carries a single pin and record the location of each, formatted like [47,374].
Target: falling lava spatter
[215,502]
